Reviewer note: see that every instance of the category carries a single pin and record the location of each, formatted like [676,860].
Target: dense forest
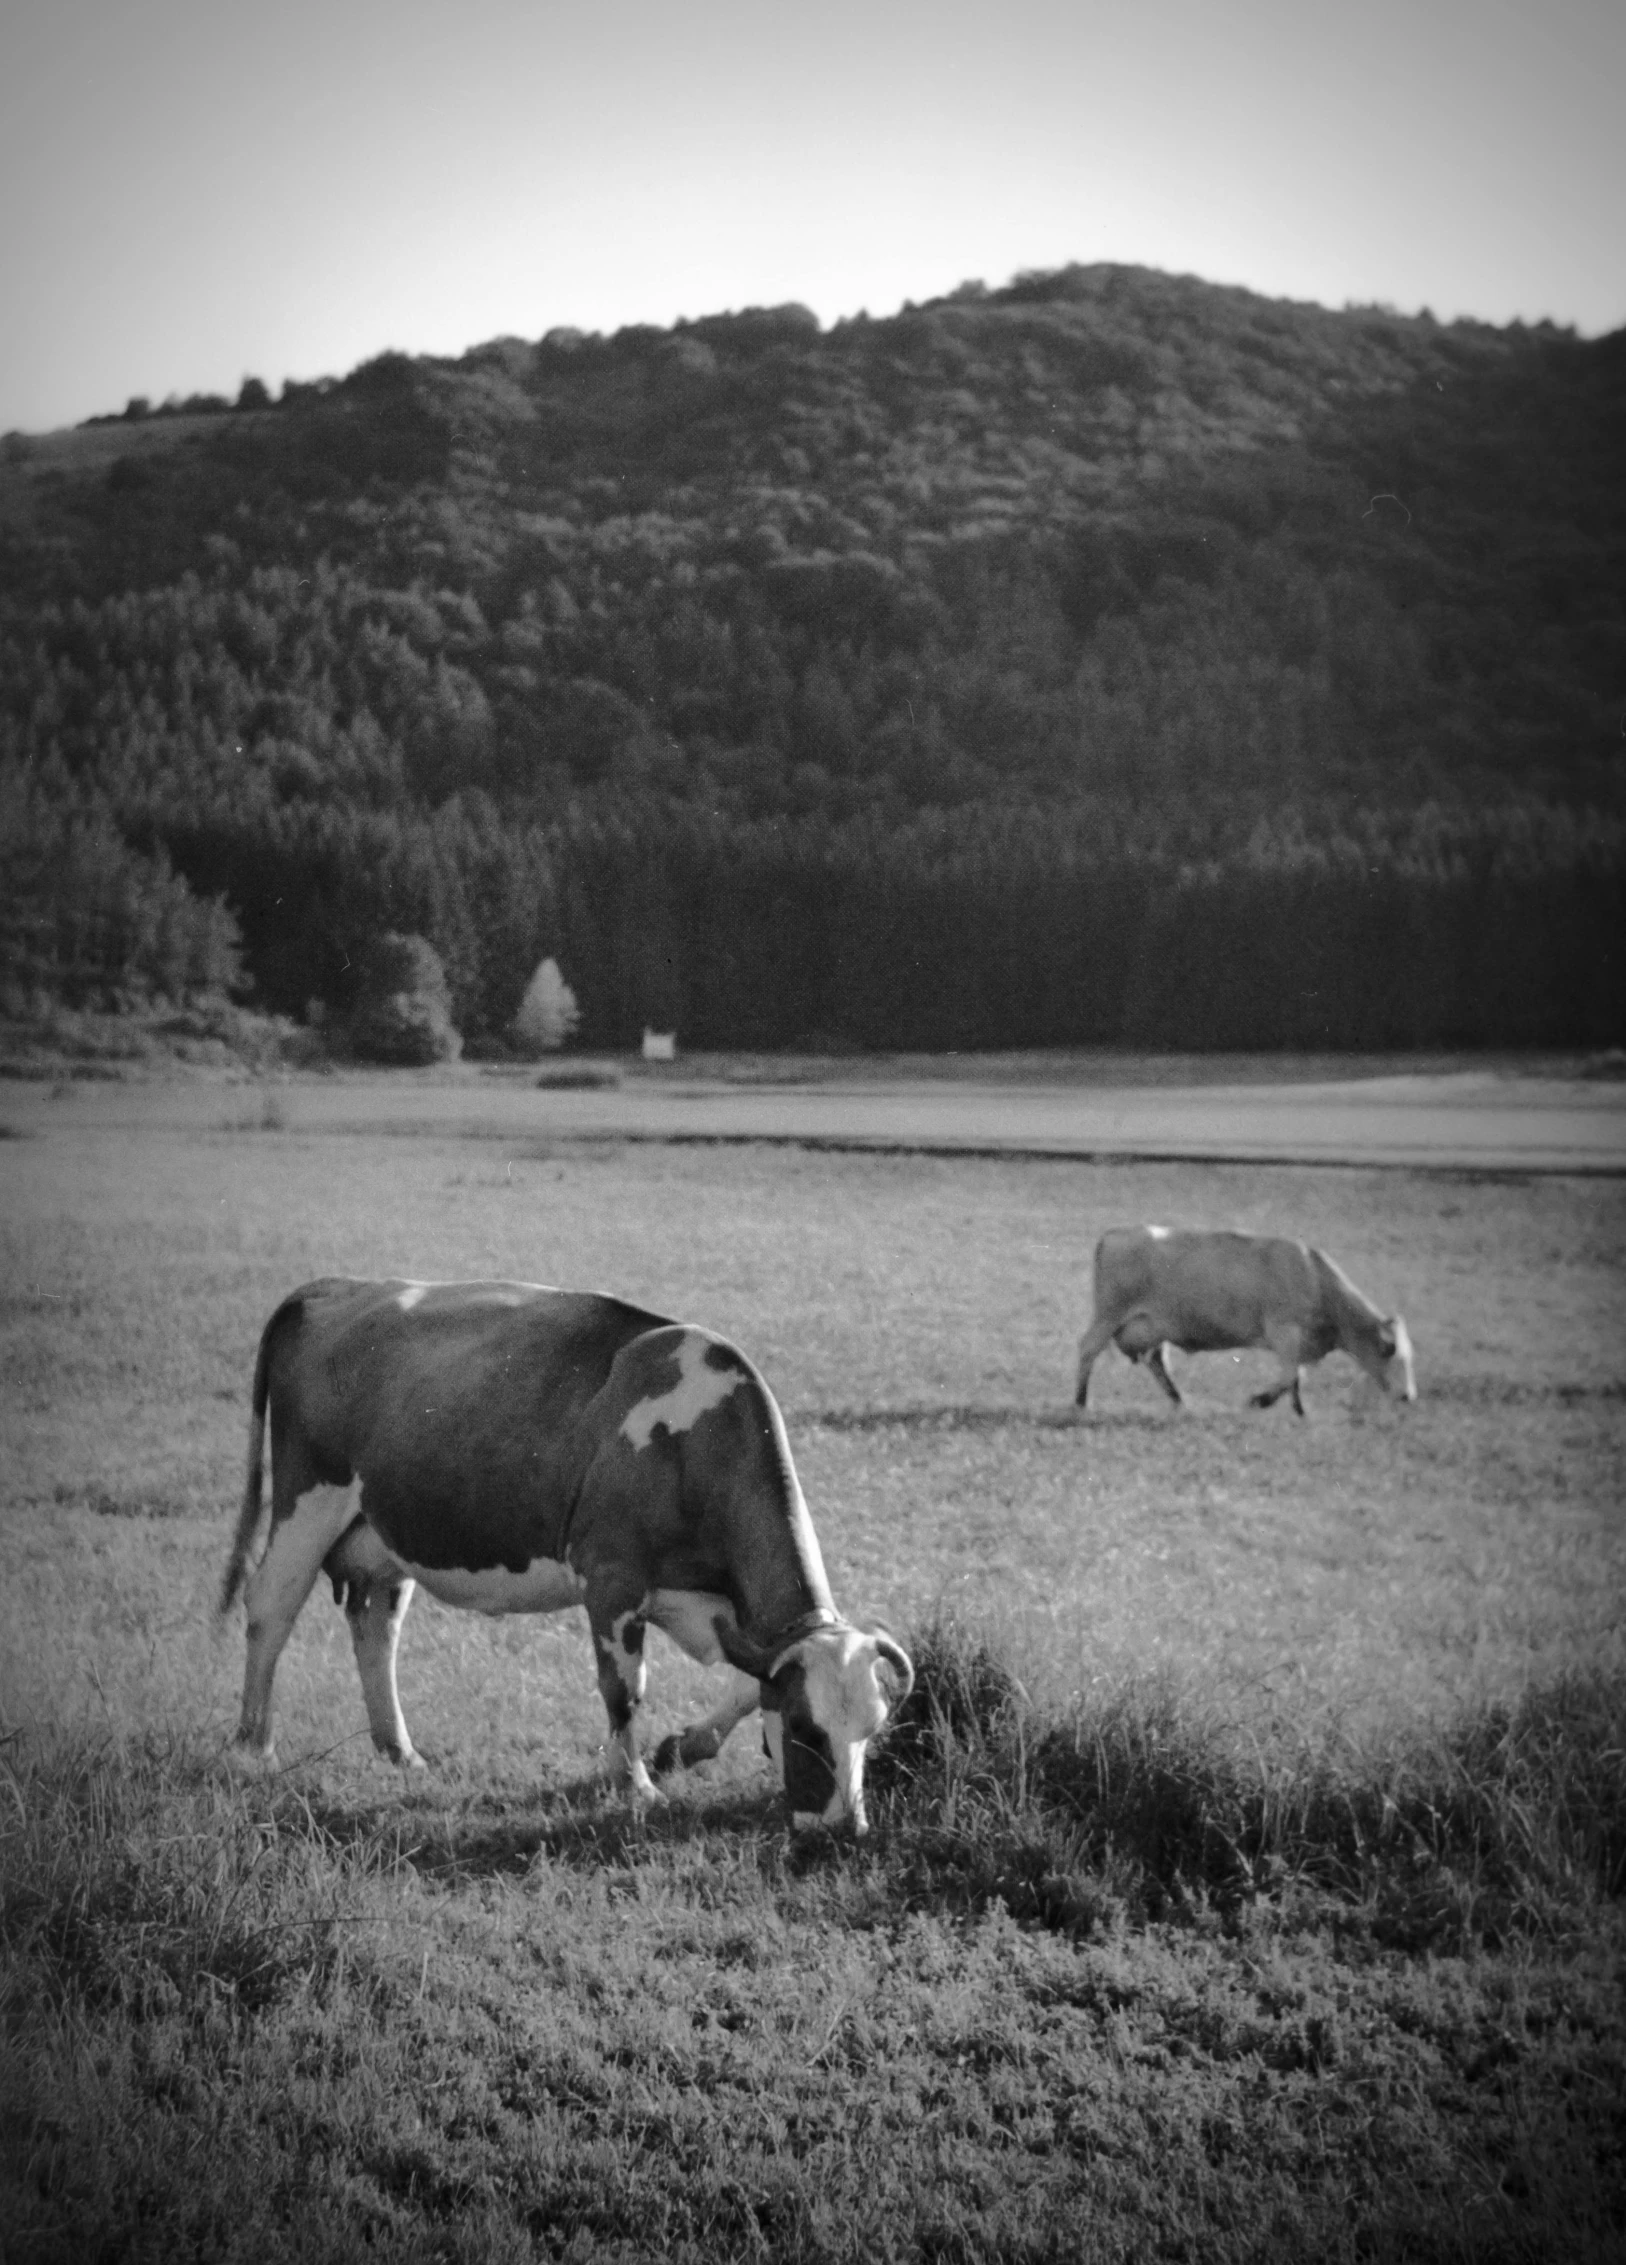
[1111,658]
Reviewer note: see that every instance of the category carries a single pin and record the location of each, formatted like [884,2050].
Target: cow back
[1205,1289]
[459,1406]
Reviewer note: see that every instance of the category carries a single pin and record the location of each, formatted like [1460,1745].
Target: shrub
[1132,1803]
[403,1011]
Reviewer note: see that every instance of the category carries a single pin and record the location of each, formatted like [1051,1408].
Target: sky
[195,191]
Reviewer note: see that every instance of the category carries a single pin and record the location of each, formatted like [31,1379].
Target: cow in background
[1213,1291]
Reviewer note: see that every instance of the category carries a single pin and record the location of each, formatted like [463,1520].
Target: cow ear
[739,1651]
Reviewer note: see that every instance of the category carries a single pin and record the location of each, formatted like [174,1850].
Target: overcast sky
[197,190]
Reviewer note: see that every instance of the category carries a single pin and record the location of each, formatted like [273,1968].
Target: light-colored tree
[548,1013]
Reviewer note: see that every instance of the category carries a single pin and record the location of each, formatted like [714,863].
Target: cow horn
[898,1659]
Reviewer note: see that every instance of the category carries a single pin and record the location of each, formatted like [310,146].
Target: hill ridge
[1100,554]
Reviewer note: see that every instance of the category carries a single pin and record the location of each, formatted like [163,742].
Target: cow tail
[248,1517]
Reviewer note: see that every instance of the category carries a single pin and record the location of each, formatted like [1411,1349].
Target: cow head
[1393,1366]
[824,1697]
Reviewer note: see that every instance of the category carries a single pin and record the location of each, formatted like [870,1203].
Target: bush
[403,1011]
[1134,1804]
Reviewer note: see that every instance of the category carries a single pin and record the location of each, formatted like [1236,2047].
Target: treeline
[253,394]
[87,917]
[986,930]
[975,929]
[1107,658]
[979,931]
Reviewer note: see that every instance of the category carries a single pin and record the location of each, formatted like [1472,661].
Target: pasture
[491,2015]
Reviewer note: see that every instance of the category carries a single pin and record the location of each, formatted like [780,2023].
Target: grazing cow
[519,1449]
[1210,1292]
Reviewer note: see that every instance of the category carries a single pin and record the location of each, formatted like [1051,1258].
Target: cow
[1212,1291]
[522,1449]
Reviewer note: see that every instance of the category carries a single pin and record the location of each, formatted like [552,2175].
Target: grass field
[1271,1911]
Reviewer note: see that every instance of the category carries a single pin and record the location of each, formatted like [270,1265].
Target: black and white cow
[1209,1291]
[520,1449]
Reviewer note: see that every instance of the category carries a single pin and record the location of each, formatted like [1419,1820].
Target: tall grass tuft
[135,1879]
[1133,1803]
[301,2020]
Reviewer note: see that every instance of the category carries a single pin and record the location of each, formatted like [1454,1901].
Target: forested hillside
[1107,658]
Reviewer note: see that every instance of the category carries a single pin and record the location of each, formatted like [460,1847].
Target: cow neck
[780,1585]
[823,1616]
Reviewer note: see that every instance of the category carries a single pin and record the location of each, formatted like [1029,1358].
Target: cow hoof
[407,1759]
[245,1760]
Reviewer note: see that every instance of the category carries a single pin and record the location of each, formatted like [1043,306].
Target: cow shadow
[584,1824]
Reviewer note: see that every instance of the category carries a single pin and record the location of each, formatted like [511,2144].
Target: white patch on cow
[847,1801]
[375,1631]
[287,1572]
[699,1387]
[629,1658]
[413,1294]
[276,1589]
[848,1704]
[1158,1234]
[689,1617]
[546,1585]
[843,1687]
[625,1760]
[632,1655]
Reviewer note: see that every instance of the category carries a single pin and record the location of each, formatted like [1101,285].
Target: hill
[1028,667]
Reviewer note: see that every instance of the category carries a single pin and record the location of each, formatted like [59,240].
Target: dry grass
[1263,1914]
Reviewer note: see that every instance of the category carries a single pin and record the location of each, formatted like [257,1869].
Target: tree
[403,1013]
[548,1013]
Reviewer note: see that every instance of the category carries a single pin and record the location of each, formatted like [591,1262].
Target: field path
[1479,1119]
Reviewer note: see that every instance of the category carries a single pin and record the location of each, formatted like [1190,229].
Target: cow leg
[1160,1369]
[275,1591]
[618,1647]
[1292,1382]
[375,1611]
[703,1741]
[1289,1350]
[1091,1346]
